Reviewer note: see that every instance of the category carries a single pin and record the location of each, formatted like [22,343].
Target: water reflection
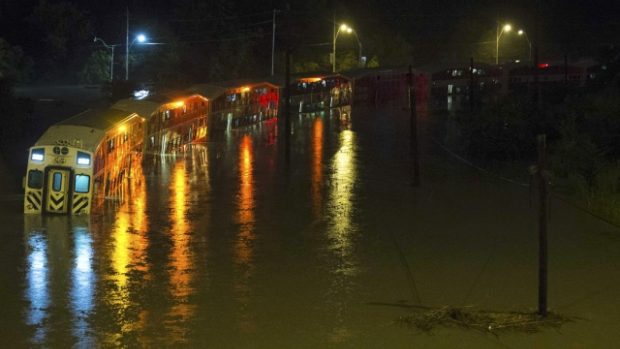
[180,271]
[83,283]
[317,166]
[342,193]
[59,254]
[243,249]
[127,257]
[245,214]
[341,231]
[37,291]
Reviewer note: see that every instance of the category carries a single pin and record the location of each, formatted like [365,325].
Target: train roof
[212,91]
[143,107]
[279,80]
[87,128]
[209,91]
[98,119]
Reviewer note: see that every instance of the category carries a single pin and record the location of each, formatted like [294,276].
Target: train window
[35,179]
[57,181]
[82,183]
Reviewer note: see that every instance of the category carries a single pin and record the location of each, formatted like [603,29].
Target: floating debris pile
[428,319]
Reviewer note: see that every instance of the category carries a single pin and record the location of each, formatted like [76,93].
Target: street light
[522,32]
[345,28]
[506,28]
[141,38]
[111,47]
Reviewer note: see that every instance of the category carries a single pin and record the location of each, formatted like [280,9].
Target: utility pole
[273,42]
[127,48]
[543,192]
[414,129]
[471,84]
[334,46]
[287,107]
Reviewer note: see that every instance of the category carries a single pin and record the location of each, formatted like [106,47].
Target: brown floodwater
[229,245]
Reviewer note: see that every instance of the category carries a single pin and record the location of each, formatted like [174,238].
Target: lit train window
[35,179]
[82,183]
[57,182]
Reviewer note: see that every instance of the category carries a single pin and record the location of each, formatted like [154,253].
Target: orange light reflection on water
[181,267]
[129,249]
[243,247]
[317,165]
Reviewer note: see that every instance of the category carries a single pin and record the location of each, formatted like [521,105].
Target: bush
[504,130]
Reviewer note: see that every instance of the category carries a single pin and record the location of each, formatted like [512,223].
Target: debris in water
[482,320]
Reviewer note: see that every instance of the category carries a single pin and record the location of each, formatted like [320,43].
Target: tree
[61,30]
[97,68]
[14,66]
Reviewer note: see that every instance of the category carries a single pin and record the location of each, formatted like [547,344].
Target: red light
[543,65]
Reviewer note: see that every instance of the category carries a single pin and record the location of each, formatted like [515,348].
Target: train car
[78,161]
[457,80]
[243,103]
[520,78]
[320,92]
[174,120]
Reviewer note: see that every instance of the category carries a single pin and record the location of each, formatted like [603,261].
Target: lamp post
[522,32]
[345,28]
[141,38]
[111,47]
[359,43]
[506,28]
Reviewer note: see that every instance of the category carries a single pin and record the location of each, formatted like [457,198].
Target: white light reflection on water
[341,231]
[38,285]
[341,198]
[82,290]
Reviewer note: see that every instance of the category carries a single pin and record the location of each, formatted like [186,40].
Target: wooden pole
[471,84]
[414,129]
[543,191]
[287,106]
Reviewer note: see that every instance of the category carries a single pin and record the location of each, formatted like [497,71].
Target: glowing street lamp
[141,39]
[505,29]
[522,32]
[344,28]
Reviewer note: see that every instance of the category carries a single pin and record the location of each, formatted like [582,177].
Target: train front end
[58,180]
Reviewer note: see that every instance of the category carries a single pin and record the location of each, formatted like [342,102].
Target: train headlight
[83,158]
[37,154]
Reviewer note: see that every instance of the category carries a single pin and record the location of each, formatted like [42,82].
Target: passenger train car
[310,94]
[173,120]
[81,159]
[79,162]
[236,104]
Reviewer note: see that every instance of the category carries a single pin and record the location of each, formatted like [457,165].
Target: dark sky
[436,30]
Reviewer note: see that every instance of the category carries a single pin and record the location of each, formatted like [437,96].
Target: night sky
[396,32]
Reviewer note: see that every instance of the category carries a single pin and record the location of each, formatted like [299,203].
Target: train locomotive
[86,154]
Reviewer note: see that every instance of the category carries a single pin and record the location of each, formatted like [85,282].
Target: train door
[57,197]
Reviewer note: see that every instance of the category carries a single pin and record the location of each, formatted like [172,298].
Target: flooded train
[320,92]
[73,160]
[81,161]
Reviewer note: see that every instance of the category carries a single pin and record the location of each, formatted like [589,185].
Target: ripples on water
[185,252]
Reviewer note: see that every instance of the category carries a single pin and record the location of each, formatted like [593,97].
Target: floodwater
[228,245]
